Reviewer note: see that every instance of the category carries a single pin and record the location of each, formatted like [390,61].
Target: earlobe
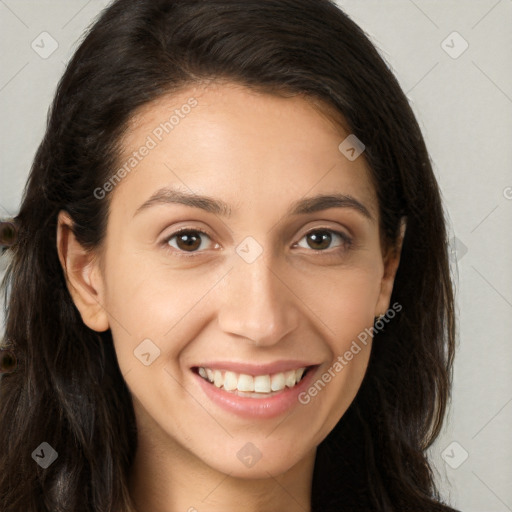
[391,262]
[83,276]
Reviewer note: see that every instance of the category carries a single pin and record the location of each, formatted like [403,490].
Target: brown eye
[187,240]
[321,239]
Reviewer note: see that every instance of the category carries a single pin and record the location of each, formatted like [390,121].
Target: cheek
[343,300]
[145,301]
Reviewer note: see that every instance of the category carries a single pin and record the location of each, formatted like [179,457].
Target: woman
[230,283]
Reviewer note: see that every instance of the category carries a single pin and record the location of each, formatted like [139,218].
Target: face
[242,248]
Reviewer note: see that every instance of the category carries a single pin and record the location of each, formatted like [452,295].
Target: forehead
[244,146]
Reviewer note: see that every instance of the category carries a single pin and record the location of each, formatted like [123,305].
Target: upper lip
[255,369]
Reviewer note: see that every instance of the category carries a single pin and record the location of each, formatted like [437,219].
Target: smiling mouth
[254,386]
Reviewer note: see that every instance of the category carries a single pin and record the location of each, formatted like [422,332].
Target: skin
[259,153]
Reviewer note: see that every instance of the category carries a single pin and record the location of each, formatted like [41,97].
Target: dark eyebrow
[326,201]
[168,195]
[313,204]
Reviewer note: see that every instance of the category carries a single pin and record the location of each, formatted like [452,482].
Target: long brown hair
[67,389]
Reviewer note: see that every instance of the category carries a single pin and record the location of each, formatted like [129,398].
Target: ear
[391,262]
[83,276]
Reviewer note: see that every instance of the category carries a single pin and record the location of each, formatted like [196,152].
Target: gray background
[463,101]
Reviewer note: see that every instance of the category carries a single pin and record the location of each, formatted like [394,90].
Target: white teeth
[277,382]
[232,381]
[217,378]
[245,382]
[289,378]
[262,384]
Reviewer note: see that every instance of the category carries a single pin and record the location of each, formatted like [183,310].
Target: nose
[257,303]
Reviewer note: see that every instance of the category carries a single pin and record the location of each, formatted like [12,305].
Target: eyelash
[346,242]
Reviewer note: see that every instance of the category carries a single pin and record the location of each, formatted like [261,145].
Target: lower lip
[263,408]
